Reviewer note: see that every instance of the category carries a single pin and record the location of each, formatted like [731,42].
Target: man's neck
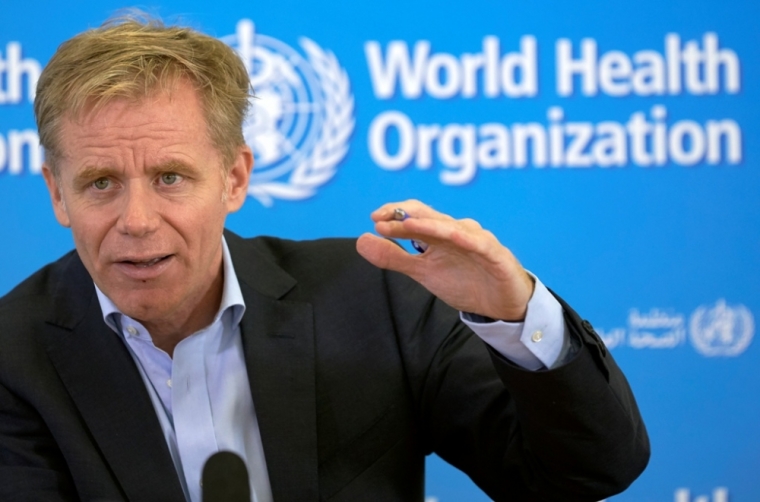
[167,333]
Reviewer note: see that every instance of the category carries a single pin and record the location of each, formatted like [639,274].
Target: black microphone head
[225,479]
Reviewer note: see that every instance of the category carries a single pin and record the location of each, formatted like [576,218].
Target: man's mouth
[146,263]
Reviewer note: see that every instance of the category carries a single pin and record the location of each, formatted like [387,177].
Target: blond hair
[131,57]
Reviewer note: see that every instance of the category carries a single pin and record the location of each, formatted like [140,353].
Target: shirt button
[537,336]
[169,383]
[131,330]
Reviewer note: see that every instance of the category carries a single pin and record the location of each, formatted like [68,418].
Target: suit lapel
[103,381]
[106,387]
[278,339]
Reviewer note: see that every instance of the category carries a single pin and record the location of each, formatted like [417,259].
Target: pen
[400,215]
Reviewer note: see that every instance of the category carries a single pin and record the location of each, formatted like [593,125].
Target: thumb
[384,253]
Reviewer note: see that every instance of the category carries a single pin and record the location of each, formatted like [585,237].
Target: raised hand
[464,265]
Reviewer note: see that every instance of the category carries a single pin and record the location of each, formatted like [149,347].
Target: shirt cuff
[533,344]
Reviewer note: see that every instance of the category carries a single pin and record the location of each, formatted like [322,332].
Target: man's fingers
[386,254]
[412,207]
[433,231]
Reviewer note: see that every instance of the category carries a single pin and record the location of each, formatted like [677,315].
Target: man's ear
[56,197]
[237,179]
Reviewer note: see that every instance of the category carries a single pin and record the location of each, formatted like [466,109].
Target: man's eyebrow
[173,166]
[88,173]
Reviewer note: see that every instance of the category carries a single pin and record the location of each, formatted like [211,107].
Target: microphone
[225,479]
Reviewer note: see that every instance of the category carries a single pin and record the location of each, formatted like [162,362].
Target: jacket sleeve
[572,433]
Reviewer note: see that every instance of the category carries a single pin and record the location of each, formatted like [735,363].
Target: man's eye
[170,178]
[101,183]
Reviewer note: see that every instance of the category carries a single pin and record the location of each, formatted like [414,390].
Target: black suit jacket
[356,374]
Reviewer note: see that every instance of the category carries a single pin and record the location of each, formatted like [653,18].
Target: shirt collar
[232,296]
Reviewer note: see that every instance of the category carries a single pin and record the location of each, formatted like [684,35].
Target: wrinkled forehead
[151,122]
[172,87]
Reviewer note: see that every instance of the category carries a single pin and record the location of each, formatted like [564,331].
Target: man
[163,338]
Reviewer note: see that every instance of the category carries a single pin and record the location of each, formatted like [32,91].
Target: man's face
[141,186]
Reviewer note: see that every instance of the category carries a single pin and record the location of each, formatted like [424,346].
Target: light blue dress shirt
[537,343]
[202,396]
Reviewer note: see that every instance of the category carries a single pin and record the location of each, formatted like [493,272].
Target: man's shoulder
[315,251]
[280,245]
[26,310]
[41,284]
[317,266]
[297,255]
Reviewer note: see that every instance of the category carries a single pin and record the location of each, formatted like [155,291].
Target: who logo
[721,329]
[301,118]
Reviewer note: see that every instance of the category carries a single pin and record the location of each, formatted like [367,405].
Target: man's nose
[139,215]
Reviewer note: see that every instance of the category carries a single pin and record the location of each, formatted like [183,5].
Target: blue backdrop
[614,148]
